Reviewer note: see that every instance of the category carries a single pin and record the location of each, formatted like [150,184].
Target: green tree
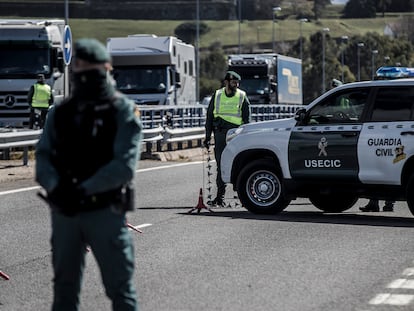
[360,9]
[213,65]
[188,31]
[382,6]
[318,6]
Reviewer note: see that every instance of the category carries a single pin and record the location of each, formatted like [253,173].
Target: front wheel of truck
[260,188]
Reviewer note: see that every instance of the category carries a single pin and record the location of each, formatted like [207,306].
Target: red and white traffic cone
[200,204]
[4,275]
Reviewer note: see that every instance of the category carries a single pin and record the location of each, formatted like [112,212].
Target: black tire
[333,203]
[260,188]
[410,194]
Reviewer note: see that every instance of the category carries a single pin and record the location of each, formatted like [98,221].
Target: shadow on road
[315,217]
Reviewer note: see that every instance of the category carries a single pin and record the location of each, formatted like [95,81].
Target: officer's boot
[388,206]
[372,206]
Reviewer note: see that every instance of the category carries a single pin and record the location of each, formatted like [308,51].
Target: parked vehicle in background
[355,141]
[28,48]
[269,78]
[154,70]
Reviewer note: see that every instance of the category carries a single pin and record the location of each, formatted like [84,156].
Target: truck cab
[269,78]
[28,48]
[154,70]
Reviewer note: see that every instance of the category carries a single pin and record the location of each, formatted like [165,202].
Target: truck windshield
[18,62]
[255,86]
[139,80]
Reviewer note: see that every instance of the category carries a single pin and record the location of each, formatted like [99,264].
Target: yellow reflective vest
[229,108]
[41,95]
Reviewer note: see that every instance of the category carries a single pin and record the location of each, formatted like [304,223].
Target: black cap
[232,75]
[92,51]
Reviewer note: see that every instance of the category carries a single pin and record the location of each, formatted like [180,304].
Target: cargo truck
[28,48]
[154,70]
[269,78]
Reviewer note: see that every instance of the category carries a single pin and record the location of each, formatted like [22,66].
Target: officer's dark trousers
[219,144]
[43,114]
[106,233]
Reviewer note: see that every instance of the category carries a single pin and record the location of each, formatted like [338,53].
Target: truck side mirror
[58,57]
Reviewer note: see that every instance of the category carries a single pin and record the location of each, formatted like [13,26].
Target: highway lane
[226,260]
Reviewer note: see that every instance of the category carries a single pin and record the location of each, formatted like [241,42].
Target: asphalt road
[228,259]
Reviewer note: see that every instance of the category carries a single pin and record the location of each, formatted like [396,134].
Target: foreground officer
[86,159]
[229,108]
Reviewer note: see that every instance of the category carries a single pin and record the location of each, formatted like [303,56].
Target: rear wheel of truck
[260,188]
[333,203]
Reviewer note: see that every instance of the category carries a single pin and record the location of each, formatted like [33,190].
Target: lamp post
[240,20]
[302,20]
[373,53]
[344,39]
[324,31]
[359,46]
[274,12]
[198,51]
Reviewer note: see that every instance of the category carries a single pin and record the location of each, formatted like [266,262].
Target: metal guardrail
[15,139]
[173,116]
[163,125]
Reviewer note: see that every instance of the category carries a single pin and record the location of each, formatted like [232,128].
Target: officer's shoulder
[126,104]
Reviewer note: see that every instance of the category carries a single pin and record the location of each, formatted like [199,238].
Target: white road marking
[19,190]
[143,226]
[167,166]
[408,272]
[402,283]
[139,170]
[391,299]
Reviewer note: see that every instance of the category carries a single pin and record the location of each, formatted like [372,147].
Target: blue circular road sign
[67,45]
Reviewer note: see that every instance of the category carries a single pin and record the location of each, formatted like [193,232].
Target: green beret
[232,75]
[91,50]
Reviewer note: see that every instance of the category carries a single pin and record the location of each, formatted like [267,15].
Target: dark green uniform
[86,158]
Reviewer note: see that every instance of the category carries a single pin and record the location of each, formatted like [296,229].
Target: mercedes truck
[28,48]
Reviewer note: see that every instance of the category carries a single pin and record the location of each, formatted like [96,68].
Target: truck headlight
[231,133]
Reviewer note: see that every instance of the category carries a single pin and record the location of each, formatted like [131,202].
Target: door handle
[407,133]
[349,134]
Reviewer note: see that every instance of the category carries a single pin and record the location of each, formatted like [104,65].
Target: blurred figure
[86,160]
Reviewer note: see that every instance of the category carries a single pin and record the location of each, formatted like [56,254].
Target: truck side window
[394,104]
[343,107]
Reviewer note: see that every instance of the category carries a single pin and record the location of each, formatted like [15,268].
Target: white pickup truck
[355,141]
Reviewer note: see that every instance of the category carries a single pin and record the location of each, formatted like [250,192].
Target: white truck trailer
[28,48]
[154,70]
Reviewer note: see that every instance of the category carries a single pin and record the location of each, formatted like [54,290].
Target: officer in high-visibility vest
[229,107]
[40,97]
